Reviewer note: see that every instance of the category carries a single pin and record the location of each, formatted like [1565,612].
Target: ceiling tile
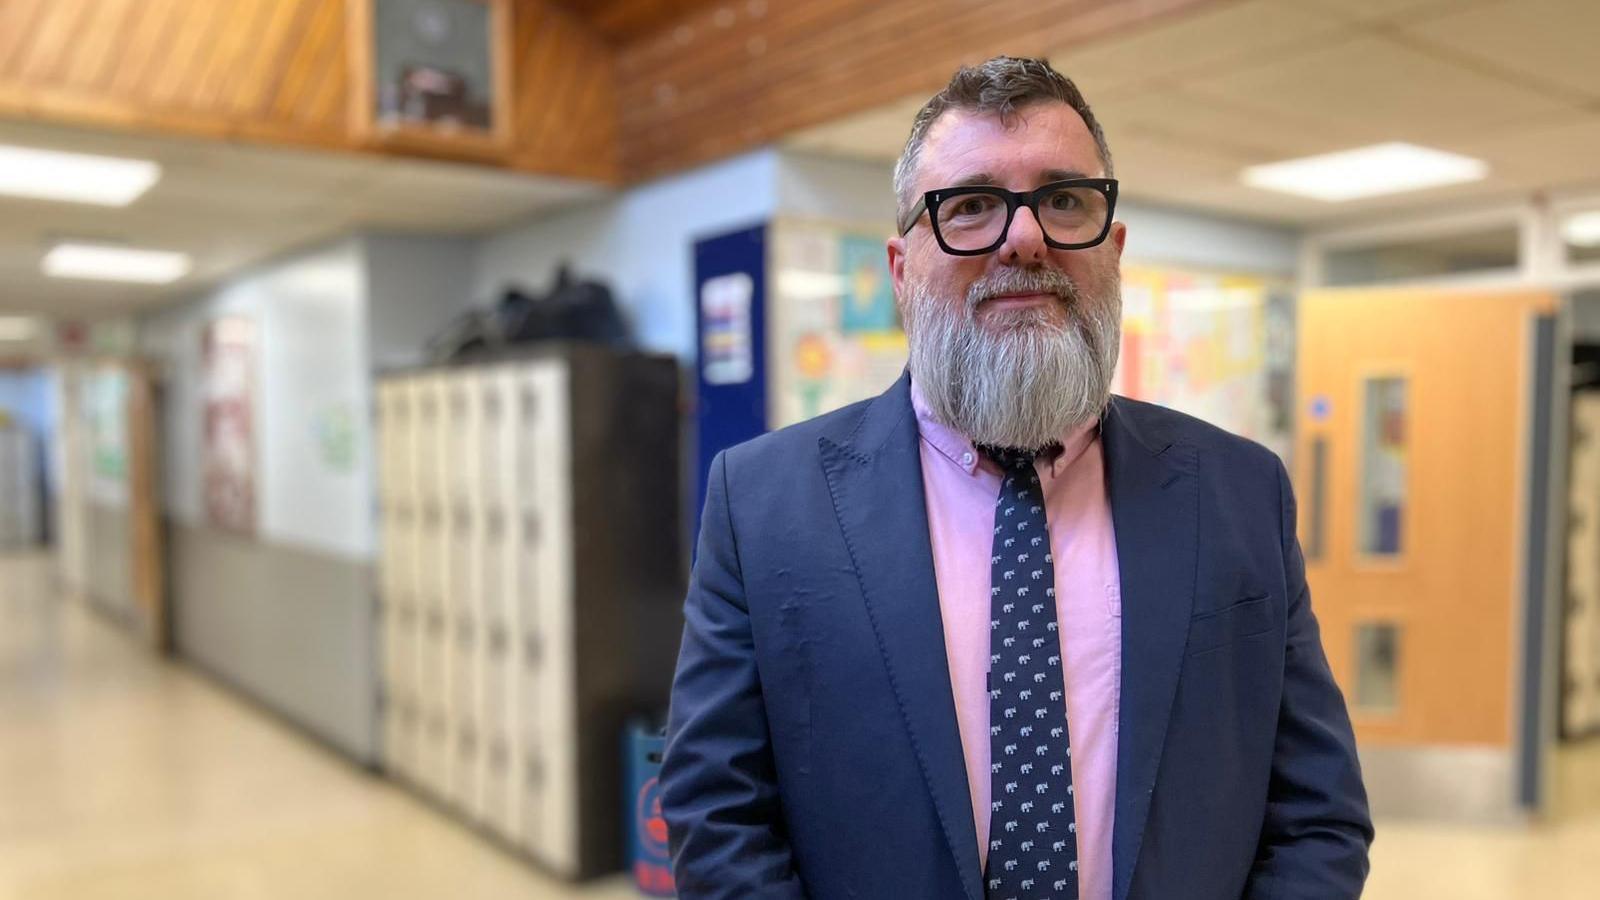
[1545,42]
[1216,126]
[1198,42]
[1547,155]
[1379,11]
[878,133]
[1377,90]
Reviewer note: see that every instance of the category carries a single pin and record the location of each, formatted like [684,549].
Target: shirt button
[966,459]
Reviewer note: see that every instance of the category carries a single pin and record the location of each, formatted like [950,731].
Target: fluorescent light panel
[102,263]
[74,177]
[1582,230]
[1366,172]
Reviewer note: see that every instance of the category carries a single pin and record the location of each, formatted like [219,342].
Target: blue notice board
[731,363]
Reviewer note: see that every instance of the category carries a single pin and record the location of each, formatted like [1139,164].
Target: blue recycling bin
[647,830]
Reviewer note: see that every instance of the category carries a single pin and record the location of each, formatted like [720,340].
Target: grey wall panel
[109,567]
[291,628]
[1474,785]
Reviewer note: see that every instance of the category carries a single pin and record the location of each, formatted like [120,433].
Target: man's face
[1014,347]
[1044,142]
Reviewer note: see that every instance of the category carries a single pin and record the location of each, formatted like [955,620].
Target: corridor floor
[122,776]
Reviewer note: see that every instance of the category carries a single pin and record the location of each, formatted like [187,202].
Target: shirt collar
[957,448]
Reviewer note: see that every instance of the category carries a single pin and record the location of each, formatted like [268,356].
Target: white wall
[416,285]
[1176,237]
[312,369]
[847,191]
[641,242]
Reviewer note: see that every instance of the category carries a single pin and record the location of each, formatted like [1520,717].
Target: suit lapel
[875,476]
[1154,507]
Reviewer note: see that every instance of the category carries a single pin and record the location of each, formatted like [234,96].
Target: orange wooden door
[144,508]
[1410,474]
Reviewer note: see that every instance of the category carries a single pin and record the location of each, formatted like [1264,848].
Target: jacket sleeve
[719,786]
[1317,828]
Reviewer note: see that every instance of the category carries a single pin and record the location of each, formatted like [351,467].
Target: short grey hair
[1002,86]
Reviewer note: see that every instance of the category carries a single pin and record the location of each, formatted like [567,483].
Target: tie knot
[1013,459]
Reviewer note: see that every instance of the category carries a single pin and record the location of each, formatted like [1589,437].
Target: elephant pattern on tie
[1033,850]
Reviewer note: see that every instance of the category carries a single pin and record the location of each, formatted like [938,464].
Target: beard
[1019,378]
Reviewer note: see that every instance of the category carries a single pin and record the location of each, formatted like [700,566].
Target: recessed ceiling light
[74,177]
[102,263]
[18,328]
[1366,172]
[1582,230]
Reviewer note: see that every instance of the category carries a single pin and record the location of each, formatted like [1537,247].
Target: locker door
[397,578]
[463,612]
[501,712]
[432,568]
[549,688]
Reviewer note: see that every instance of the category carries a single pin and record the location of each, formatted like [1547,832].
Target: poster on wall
[868,290]
[227,453]
[1216,346]
[105,404]
[836,333]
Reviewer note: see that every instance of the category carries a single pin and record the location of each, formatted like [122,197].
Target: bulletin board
[1216,346]
[835,335]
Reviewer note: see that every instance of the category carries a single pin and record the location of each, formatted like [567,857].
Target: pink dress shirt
[961,487]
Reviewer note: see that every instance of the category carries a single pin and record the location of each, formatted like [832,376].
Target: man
[996,633]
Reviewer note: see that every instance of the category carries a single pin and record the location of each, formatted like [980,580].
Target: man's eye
[971,206]
[1063,200]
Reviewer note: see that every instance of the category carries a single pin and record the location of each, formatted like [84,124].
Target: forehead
[1038,138]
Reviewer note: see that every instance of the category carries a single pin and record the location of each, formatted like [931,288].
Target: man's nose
[1024,244]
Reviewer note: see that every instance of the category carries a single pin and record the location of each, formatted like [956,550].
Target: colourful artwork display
[1214,346]
[105,402]
[868,299]
[227,451]
[833,326]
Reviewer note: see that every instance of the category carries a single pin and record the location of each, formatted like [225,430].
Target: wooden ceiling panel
[601,87]
[191,31]
[566,94]
[16,25]
[731,78]
[623,21]
[279,70]
[141,53]
[231,54]
[49,33]
[98,34]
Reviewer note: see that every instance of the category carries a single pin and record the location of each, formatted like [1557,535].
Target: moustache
[1022,281]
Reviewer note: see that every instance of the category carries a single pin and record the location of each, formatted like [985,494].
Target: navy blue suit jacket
[813,749]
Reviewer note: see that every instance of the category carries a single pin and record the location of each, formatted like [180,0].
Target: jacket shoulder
[1210,440]
[794,442]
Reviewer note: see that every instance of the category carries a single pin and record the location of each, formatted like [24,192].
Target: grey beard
[1020,380]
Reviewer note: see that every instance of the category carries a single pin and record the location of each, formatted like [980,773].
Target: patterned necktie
[1033,832]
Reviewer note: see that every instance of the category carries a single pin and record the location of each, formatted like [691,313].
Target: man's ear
[1119,236]
[897,264]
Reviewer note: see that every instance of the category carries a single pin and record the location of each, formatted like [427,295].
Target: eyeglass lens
[1068,215]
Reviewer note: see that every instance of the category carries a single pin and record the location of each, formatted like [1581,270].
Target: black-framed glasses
[1074,214]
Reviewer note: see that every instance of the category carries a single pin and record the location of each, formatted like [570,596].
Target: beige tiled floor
[123,777]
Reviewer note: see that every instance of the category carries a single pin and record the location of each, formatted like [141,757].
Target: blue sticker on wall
[1320,407]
